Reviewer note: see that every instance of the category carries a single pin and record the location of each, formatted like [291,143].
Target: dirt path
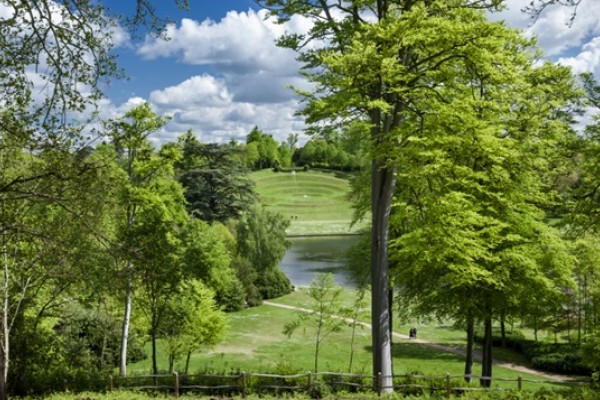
[450,349]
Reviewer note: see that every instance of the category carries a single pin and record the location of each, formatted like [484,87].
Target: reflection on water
[310,255]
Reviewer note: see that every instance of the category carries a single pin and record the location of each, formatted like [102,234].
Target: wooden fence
[245,383]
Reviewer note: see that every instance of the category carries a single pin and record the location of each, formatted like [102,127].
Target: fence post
[379,383]
[448,388]
[176,376]
[244,391]
[520,383]
[111,383]
[309,381]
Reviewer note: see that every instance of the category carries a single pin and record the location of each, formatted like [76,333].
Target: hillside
[315,201]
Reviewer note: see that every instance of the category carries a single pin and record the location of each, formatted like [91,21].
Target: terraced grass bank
[316,202]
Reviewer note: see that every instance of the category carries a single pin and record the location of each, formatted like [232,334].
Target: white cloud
[254,75]
[240,42]
[588,60]
[204,104]
[553,28]
[197,90]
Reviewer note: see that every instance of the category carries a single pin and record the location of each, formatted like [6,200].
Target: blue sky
[220,73]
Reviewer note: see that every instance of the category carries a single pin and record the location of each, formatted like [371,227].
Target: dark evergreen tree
[217,186]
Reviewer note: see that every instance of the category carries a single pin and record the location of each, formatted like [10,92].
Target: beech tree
[376,61]
[262,241]
[158,248]
[477,181]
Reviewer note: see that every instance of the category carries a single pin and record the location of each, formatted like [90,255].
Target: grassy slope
[314,201]
[255,343]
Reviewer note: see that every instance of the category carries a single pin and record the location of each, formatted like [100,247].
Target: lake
[310,255]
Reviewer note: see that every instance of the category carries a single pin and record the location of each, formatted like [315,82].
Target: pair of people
[412,334]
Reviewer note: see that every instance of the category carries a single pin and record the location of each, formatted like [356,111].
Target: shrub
[273,283]
[563,363]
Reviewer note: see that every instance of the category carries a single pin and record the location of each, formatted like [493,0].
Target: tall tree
[217,185]
[157,231]
[380,59]
[475,188]
[142,167]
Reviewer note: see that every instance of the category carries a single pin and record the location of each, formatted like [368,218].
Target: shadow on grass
[418,351]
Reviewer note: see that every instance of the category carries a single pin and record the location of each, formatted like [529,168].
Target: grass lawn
[255,343]
[315,201]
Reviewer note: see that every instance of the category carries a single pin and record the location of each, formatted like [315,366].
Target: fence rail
[245,383]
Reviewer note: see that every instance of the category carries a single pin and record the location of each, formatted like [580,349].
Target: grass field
[255,343]
[315,201]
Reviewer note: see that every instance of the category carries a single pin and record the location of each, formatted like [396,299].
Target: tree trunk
[318,341]
[383,183]
[126,320]
[391,303]
[486,362]
[503,330]
[5,344]
[187,362]
[352,345]
[3,371]
[153,340]
[470,345]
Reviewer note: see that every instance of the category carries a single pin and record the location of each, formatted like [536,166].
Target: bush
[563,358]
[231,297]
[273,283]
[563,363]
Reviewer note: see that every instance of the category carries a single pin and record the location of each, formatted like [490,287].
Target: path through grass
[255,343]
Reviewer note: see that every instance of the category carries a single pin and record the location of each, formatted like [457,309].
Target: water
[311,255]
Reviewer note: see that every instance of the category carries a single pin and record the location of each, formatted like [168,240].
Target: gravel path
[450,349]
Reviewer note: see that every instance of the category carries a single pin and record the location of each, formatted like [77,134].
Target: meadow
[255,343]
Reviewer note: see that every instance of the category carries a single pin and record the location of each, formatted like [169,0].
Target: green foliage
[262,241]
[216,183]
[578,393]
[272,283]
[192,322]
[562,358]
[263,151]
[323,312]
[206,257]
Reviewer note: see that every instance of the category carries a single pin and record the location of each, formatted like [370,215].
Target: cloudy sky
[220,73]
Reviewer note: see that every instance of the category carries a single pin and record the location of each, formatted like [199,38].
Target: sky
[220,73]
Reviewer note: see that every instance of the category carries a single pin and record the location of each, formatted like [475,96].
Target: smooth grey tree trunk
[382,188]
[126,321]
